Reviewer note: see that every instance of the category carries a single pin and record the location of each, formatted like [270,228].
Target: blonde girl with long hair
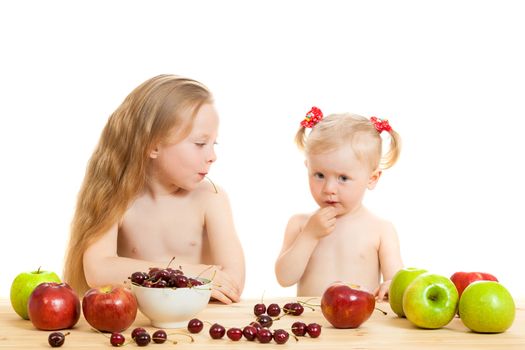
[146,198]
[341,240]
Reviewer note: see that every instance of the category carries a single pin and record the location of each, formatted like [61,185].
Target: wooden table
[379,332]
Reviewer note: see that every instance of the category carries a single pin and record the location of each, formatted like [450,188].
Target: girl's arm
[226,249]
[299,244]
[103,266]
[389,259]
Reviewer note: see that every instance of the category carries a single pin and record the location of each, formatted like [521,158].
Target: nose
[329,187]
[212,156]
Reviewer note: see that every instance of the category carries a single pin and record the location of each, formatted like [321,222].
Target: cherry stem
[184,334]
[293,335]
[384,312]
[203,271]
[170,262]
[262,296]
[307,304]
[66,334]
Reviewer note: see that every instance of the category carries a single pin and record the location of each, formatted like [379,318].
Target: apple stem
[38,271]
[383,312]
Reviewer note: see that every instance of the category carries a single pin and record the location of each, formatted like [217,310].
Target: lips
[331,202]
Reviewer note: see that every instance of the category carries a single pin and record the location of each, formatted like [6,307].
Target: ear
[374,178]
[154,153]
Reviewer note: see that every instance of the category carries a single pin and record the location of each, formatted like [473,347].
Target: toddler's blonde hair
[337,130]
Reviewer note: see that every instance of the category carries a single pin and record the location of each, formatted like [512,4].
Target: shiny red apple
[53,306]
[109,308]
[462,279]
[347,306]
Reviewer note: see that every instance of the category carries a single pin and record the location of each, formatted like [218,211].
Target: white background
[450,76]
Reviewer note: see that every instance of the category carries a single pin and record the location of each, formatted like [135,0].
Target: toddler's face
[339,179]
[185,163]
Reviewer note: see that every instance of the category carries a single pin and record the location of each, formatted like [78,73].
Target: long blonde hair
[116,172]
[337,129]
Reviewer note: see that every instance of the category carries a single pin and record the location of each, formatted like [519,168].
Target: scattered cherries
[56,339]
[117,339]
[195,325]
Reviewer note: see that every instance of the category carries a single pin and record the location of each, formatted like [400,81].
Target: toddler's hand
[381,293]
[321,223]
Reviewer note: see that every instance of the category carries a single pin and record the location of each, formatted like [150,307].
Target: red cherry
[299,329]
[264,335]
[137,331]
[234,334]
[273,310]
[249,332]
[313,330]
[259,309]
[280,336]
[195,325]
[217,331]
[159,336]
[117,339]
[265,321]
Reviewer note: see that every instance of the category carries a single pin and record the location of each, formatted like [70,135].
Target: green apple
[430,301]
[399,283]
[487,307]
[23,286]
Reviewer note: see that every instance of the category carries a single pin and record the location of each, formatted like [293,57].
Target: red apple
[109,308]
[53,306]
[347,306]
[462,279]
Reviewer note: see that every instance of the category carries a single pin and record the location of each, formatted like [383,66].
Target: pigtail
[391,157]
[300,138]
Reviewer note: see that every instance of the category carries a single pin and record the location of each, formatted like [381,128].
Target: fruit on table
[109,308]
[346,306]
[24,284]
[463,279]
[487,307]
[399,283]
[430,301]
[53,306]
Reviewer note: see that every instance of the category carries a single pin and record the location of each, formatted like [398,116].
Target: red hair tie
[381,125]
[313,117]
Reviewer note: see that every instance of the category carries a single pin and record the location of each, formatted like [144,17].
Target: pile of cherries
[163,278]
[260,328]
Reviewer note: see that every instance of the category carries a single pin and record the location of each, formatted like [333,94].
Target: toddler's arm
[389,259]
[300,242]
[225,248]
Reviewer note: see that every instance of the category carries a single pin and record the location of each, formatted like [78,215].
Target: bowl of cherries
[169,298]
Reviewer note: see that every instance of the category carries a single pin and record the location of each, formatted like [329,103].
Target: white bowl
[169,307]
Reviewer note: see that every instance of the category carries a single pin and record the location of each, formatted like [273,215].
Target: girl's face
[184,164]
[339,179]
